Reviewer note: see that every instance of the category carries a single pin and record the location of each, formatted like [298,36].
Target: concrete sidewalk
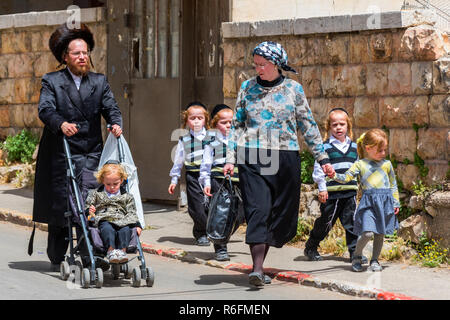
[169,233]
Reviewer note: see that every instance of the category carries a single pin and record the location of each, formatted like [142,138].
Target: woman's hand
[328,170]
[138,231]
[228,169]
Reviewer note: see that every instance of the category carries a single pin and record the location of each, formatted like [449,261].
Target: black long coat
[60,101]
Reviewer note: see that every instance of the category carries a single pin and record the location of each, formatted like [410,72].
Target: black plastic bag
[223,213]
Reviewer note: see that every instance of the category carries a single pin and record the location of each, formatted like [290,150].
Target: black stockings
[259,253]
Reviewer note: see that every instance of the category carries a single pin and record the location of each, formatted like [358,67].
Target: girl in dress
[379,205]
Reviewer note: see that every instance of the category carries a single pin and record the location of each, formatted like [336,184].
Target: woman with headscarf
[270,109]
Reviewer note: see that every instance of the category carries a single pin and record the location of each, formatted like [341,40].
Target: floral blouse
[269,117]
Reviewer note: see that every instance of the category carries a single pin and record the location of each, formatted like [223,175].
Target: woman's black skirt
[270,186]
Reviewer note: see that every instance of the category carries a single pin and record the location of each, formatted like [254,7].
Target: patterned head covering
[274,52]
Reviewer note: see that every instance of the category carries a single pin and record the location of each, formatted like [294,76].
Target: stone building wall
[396,77]
[25,57]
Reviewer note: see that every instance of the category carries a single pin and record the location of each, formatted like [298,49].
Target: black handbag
[223,213]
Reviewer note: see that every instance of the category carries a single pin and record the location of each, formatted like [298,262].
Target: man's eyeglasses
[79,53]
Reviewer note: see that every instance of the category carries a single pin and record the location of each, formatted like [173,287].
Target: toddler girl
[189,153]
[379,205]
[113,211]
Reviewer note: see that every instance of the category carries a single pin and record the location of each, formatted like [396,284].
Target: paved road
[25,277]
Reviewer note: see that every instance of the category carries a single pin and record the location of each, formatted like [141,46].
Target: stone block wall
[396,78]
[25,57]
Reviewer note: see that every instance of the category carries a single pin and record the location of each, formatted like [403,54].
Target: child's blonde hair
[373,137]
[111,168]
[340,110]
[185,115]
[217,117]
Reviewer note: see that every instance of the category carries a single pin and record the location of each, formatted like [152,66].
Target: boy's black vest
[220,155]
[193,151]
[341,162]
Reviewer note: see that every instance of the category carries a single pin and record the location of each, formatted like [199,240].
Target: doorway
[161,55]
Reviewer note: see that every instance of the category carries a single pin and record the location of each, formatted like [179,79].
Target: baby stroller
[89,246]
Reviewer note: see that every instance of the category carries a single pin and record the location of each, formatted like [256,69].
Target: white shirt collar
[198,134]
[336,141]
[75,78]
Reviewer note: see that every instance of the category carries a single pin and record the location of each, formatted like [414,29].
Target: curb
[283,275]
[278,274]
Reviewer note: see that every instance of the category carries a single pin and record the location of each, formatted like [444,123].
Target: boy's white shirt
[318,175]
[178,162]
[207,161]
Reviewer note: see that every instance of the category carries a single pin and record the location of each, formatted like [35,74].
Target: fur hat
[61,37]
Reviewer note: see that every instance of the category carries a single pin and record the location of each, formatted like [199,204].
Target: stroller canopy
[111,152]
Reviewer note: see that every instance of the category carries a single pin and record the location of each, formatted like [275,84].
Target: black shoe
[202,241]
[256,279]
[313,255]
[222,255]
[356,264]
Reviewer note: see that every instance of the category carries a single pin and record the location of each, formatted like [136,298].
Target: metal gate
[161,55]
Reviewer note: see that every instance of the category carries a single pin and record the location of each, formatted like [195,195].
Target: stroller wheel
[150,279]
[85,278]
[99,278]
[136,277]
[124,270]
[115,271]
[64,270]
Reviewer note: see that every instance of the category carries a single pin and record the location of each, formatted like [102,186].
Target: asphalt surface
[169,234]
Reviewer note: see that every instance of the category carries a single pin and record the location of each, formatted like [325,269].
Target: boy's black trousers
[342,208]
[196,204]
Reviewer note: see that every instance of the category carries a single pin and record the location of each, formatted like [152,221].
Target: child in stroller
[113,211]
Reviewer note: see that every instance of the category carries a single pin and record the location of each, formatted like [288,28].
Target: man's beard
[79,70]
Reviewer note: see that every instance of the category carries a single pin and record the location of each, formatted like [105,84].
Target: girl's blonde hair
[109,169]
[217,117]
[328,123]
[185,115]
[373,137]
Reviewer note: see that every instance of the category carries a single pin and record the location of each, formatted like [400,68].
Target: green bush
[20,147]
[307,167]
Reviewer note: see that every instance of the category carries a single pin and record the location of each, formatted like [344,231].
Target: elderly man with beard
[72,102]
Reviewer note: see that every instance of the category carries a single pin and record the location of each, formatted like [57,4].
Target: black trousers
[196,204]
[342,208]
[271,196]
[114,236]
[57,243]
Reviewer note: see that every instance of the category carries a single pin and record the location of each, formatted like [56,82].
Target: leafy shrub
[430,253]
[304,227]
[21,146]
[307,167]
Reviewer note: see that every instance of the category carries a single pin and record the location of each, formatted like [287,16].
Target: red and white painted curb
[283,275]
